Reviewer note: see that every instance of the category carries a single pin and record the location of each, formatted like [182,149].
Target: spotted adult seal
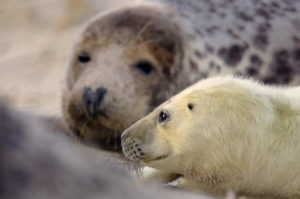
[129,60]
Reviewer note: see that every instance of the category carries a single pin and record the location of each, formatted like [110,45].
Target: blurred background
[36,37]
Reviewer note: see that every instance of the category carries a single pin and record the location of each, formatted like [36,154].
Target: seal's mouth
[98,136]
[161,157]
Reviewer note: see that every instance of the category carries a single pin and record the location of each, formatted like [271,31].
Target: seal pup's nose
[124,135]
[92,101]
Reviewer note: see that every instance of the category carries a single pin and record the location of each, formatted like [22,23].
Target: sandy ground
[36,37]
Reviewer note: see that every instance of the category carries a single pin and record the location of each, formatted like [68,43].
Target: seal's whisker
[138,35]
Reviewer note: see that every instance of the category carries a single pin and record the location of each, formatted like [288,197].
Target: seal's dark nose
[92,101]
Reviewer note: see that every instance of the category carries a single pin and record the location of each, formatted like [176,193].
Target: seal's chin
[157,158]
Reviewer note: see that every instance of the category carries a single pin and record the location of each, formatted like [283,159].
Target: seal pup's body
[224,133]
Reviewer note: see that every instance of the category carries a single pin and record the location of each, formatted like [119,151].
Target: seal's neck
[289,97]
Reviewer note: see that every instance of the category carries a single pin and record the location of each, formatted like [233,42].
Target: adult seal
[129,60]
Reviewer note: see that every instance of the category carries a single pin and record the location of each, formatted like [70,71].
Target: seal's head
[120,69]
[201,129]
[157,139]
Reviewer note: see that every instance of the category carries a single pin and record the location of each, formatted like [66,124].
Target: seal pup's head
[201,129]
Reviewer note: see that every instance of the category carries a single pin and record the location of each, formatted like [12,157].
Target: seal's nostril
[92,101]
[99,95]
[87,99]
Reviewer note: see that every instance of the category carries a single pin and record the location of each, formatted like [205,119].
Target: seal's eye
[83,58]
[144,66]
[163,116]
[190,106]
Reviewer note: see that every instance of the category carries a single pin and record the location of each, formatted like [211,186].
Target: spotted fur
[254,38]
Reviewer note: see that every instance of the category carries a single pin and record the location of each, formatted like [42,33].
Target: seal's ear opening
[190,106]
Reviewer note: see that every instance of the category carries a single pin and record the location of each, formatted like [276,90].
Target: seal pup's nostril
[92,101]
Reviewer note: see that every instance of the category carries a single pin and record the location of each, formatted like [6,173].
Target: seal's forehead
[164,104]
[175,101]
[142,21]
[201,88]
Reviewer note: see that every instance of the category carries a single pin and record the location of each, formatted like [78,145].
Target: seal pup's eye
[190,106]
[83,58]
[143,66]
[163,116]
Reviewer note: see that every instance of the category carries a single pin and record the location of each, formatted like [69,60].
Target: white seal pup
[224,133]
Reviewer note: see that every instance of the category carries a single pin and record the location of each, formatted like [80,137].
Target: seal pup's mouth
[134,151]
[161,157]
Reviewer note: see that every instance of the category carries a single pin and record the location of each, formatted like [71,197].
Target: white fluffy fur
[240,135]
